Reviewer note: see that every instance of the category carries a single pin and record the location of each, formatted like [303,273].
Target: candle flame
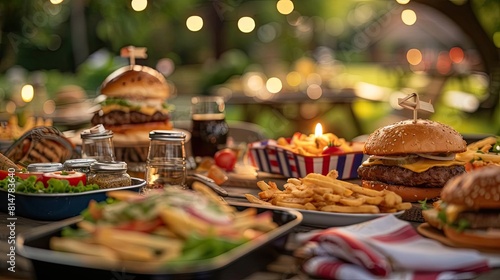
[318,131]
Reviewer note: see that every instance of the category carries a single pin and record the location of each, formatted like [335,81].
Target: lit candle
[319,137]
[318,131]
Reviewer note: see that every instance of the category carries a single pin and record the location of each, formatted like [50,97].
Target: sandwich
[469,210]
[414,159]
[134,99]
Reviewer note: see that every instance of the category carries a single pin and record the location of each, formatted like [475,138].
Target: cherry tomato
[72,177]
[225,159]
[333,150]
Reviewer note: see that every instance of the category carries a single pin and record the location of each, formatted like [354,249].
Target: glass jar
[79,164]
[45,167]
[166,161]
[97,143]
[109,174]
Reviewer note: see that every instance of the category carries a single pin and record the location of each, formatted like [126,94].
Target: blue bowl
[56,206]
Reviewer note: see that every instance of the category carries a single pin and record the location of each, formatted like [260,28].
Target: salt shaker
[166,162]
[97,143]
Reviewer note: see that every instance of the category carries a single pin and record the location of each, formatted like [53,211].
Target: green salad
[31,185]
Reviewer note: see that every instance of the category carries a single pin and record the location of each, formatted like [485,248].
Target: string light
[246,24]
[194,23]
[139,5]
[409,17]
[285,7]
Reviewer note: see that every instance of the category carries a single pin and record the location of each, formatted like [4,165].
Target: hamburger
[133,99]
[469,209]
[414,159]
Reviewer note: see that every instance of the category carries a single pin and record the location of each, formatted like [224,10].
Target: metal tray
[58,206]
[234,264]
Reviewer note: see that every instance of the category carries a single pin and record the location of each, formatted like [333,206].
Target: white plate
[329,219]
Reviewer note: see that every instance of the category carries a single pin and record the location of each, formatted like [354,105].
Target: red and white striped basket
[267,156]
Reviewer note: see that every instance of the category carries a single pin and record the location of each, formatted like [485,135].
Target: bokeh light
[294,79]
[409,17]
[246,24]
[49,107]
[139,5]
[285,7]
[414,56]
[314,91]
[194,23]
[274,85]
[27,93]
[457,54]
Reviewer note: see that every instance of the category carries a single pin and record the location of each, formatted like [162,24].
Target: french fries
[326,193]
[311,145]
[479,153]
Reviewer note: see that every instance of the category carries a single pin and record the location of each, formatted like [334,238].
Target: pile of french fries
[326,193]
[478,153]
[312,145]
[12,130]
[115,244]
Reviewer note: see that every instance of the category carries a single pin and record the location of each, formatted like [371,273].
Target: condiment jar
[45,167]
[166,161]
[109,174]
[79,164]
[97,143]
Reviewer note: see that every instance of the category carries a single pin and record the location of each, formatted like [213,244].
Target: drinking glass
[209,129]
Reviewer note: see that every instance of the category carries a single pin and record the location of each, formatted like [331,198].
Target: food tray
[234,264]
[267,156]
[58,206]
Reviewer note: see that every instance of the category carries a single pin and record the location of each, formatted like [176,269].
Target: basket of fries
[302,154]
[481,153]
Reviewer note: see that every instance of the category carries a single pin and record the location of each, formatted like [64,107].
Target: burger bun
[136,82]
[409,137]
[407,193]
[473,238]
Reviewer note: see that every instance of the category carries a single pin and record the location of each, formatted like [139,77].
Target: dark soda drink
[209,131]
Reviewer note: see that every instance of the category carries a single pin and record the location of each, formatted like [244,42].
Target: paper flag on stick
[133,53]
[415,105]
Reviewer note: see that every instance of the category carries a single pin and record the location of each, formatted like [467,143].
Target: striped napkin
[384,248]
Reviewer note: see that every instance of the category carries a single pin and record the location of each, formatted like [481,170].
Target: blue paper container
[57,206]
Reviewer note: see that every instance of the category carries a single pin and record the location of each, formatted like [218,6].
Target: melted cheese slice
[452,211]
[419,166]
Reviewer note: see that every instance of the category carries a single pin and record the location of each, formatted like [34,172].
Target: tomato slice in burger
[73,177]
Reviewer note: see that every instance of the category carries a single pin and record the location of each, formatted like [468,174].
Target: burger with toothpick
[414,158]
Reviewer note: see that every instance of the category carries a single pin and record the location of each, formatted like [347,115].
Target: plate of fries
[297,157]
[327,201]
[481,153]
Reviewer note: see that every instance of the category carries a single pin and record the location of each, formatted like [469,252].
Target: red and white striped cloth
[385,248]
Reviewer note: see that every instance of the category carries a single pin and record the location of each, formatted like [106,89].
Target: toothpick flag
[133,53]
[415,105]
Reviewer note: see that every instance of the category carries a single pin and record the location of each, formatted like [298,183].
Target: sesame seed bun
[478,189]
[407,137]
[136,82]
[473,238]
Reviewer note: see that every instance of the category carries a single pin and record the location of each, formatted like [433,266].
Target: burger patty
[121,118]
[481,220]
[395,175]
